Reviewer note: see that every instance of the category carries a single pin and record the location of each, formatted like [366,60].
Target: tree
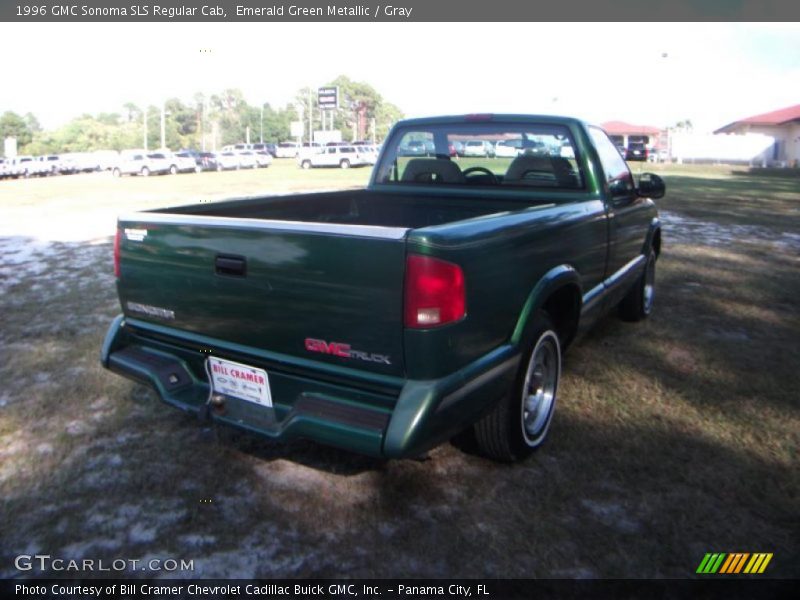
[685,125]
[12,125]
[133,113]
[32,122]
[355,96]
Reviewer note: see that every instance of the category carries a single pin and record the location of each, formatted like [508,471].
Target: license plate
[240,381]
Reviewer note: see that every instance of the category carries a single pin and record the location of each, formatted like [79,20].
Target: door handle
[231,266]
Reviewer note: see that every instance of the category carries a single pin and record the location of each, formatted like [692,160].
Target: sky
[648,74]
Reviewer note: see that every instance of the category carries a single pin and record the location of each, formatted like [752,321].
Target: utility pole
[145,127]
[163,127]
[310,117]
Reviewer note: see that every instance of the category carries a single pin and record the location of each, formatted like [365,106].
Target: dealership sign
[328,98]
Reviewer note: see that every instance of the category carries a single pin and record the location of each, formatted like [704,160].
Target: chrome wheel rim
[540,388]
[649,290]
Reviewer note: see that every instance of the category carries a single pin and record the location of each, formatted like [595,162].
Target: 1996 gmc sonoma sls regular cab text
[387,320]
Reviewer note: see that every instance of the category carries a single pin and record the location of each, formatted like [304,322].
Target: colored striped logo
[734,563]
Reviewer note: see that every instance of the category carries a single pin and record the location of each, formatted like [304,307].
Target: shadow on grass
[624,499]
[768,172]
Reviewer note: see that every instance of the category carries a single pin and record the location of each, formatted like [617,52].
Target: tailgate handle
[232,266]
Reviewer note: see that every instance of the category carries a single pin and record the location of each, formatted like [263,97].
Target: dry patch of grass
[673,437]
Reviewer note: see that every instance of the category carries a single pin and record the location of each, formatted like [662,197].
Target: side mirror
[651,186]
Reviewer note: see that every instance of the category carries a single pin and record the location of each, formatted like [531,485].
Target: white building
[782,126]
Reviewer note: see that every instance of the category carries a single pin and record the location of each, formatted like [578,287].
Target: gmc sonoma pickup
[387,320]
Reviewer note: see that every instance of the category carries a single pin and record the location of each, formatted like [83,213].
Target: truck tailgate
[331,293]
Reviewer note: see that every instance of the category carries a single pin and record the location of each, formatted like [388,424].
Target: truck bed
[356,207]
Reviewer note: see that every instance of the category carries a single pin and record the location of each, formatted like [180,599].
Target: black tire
[145,172]
[638,302]
[116,172]
[344,164]
[173,170]
[512,429]
[306,164]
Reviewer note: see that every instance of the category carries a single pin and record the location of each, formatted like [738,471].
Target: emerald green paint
[330,266]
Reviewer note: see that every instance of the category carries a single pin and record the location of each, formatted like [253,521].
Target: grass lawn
[673,437]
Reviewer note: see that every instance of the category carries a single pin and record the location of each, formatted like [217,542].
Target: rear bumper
[369,414]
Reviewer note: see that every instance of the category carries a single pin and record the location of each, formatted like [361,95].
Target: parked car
[105,159]
[275,322]
[287,150]
[85,162]
[51,164]
[479,148]
[265,147]
[369,153]
[227,161]
[263,158]
[68,165]
[237,147]
[207,161]
[29,166]
[247,159]
[159,163]
[140,162]
[182,162]
[657,155]
[309,148]
[508,148]
[5,171]
[636,151]
[334,156]
[414,148]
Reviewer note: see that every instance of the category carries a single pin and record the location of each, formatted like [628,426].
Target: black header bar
[398,10]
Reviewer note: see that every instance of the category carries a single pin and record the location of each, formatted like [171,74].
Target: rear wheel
[173,170]
[345,164]
[520,421]
[638,303]
[116,172]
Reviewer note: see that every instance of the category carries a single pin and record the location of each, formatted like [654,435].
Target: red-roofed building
[622,133]
[782,125]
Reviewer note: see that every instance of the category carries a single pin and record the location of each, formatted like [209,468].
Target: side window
[618,175]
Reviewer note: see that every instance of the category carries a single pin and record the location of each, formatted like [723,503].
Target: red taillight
[434,293]
[116,252]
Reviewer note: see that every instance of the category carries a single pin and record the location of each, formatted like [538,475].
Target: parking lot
[673,438]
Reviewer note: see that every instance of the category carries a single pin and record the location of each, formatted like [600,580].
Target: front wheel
[520,421]
[145,172]
[173,170]
[345,164]
[306,164]
[638,302]
[116,172]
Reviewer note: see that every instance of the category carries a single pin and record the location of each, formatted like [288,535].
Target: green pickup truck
[389,319]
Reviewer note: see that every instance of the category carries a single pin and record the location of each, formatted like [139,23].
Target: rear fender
[552,281]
